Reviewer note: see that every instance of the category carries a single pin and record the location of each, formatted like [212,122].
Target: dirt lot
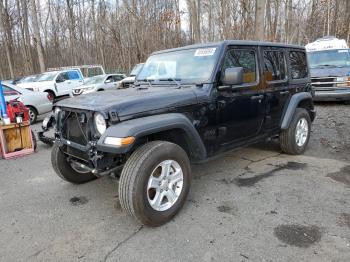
[254,204]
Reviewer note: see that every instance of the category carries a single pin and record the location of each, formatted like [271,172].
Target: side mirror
[232,76]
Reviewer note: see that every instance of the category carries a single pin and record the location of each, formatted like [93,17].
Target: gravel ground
[254,204]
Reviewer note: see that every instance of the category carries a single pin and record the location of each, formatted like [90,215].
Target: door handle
[284,93]
[259,97]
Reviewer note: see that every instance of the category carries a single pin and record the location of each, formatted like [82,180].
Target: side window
[118,78]
[109,79]
[62,77]
[8,91]
[274,66]
[73,75]
[298,64]
[242,58]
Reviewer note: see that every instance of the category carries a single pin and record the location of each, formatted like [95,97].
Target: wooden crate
[16,140]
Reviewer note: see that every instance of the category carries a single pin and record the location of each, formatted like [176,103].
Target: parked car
[329,60]
[55,83]
[189,104]
[126,82]
[38,103]
[98,83]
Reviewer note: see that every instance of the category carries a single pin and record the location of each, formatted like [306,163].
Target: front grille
[76,128]
[323,82]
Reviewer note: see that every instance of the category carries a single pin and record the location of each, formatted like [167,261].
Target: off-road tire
[287,137]
[134,178]
[64,170]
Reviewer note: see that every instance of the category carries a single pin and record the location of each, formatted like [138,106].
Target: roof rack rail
[73,67]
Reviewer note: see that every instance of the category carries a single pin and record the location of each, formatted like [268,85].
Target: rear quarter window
[298,64]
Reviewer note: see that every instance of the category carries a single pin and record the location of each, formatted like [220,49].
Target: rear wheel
[295,139]
[155,182]
[51,95]
[70,172]
[33,114]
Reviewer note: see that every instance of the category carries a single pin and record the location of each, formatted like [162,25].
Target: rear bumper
[332,95]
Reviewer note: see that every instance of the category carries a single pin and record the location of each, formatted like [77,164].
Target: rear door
[276,81]
[241,109]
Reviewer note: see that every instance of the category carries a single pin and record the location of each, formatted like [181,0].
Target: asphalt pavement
[255,204]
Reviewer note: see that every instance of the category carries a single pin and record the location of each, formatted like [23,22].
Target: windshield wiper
[173,80]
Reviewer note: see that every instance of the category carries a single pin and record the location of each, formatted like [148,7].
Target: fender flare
[144,126]
[293,104]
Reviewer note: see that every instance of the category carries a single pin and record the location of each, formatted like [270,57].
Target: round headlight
[100,123]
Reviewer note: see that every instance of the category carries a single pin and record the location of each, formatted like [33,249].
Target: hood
[330,71]
[128,79]
[132,100]
[34,84]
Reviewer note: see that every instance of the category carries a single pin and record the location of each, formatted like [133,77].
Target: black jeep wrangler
[187,104]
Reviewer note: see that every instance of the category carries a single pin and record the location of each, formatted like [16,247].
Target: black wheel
[295,139]
[34,140]
[70,172]
[155,182]
[347,102]
[33,114]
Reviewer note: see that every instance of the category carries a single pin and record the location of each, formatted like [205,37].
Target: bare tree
[37,37]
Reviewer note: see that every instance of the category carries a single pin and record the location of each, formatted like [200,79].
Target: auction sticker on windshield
[205,51]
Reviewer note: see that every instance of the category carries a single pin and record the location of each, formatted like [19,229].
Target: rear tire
[168,166]
[64,169]
[33,114]
[291,141]
[51,96]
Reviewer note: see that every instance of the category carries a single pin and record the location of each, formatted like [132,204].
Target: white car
[98,83]
[128,81]
[55,83]
[38,103]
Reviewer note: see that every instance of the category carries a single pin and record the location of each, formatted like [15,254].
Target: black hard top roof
[232,42]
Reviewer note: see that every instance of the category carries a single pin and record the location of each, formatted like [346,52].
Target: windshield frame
[326,63]
[211,79]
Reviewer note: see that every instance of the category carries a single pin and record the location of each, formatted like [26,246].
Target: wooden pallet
[16,140]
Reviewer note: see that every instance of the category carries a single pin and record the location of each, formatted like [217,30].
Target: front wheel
[70,172]
[295,139]
[155,182]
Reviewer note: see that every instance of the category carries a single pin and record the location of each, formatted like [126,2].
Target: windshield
[49,76]
[28,79]
[336,58]
[136,69]
[191,65]
[94,80]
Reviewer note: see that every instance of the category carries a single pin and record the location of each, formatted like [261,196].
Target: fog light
[119,141]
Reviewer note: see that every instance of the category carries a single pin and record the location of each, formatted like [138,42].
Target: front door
[241,110]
